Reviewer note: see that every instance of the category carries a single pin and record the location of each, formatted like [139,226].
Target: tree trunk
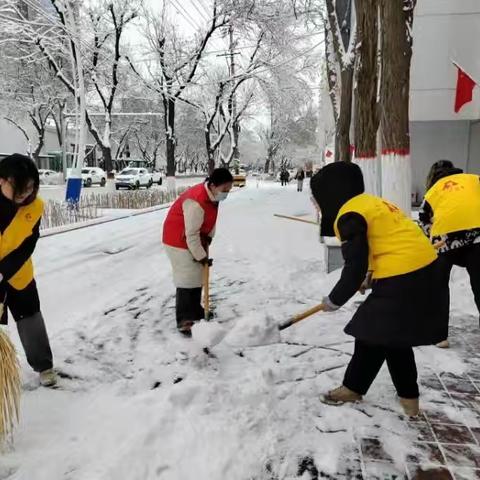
[210,151]
[339,18]
[396,17]
[342,141]
[107,159]
[37,150]
[266,169]
[332,75]
[170,137]
[366,107]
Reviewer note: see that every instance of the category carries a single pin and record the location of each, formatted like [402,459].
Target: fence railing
[57,214]
[134,200]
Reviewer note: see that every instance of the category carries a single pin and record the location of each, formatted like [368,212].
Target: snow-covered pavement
[137,402]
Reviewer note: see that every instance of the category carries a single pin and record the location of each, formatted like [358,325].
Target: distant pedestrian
[188,231]
[20,215]
[300,177]
[284,177]
[450,217]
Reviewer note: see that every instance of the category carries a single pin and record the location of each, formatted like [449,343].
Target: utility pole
[233,105]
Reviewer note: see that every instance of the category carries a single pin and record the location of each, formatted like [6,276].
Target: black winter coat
[401,311]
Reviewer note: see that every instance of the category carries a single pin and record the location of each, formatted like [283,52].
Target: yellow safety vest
[396,244]
[455,201]
[19,229]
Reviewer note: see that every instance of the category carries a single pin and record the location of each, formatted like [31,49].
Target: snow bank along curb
[100,221]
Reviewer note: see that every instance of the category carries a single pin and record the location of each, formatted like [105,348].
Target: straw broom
[10,385]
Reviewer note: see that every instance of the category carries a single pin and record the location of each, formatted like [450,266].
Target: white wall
[474,154]
[444,31]
[11,139]
[432,141]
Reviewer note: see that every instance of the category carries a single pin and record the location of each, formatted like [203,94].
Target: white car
[156,177]
[50,177]
[93,176]
[133,178]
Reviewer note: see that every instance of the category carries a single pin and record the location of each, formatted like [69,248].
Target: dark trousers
[188,305]
[466,257]
[367,361]
[34,338]
[24,305]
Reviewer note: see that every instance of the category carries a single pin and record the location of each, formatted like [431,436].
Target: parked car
[156,177]
[50,177]
[133,178]
[93,176]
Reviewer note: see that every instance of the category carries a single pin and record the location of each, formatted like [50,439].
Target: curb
[50,232]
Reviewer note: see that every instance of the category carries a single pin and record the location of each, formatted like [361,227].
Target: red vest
[174,225]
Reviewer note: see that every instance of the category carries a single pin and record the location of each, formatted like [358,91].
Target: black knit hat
[332,187]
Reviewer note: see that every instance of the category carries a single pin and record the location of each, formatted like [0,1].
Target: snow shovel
[9,384]
[297,219]
[206,290]
[301,316]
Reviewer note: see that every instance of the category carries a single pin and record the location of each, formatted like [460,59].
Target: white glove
[329,306]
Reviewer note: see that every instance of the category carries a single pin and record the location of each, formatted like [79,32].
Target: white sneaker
[48,378]
[443,344]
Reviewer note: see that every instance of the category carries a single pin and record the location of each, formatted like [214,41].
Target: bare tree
[174,68]
[108,23]
[51,35]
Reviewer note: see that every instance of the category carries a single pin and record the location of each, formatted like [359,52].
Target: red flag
[465,86]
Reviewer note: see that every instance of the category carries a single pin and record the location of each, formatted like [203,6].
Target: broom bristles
[10,387]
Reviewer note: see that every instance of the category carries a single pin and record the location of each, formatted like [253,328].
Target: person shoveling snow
[187,232]
[404,307]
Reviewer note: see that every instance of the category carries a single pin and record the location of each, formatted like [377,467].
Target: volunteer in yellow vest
[450,217]
[381,243]
[20,215]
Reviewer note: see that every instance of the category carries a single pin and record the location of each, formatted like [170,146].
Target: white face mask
[221,196]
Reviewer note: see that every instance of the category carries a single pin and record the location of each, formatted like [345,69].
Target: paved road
[57,192]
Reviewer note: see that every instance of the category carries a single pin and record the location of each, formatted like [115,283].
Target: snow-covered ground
[137,402]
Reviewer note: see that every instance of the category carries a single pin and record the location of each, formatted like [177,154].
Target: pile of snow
[254,329]
[208,334]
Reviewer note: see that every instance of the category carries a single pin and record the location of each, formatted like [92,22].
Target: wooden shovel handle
[302,316]
[206,290]
[297,219]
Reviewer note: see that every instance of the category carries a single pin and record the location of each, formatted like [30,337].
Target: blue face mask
[221,196]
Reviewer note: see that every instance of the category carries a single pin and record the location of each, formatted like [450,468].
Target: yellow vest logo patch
[451,186]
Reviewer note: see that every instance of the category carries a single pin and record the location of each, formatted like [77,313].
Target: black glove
[206,261]
[206,240]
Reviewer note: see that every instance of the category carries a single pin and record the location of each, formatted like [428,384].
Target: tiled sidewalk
[447,445]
